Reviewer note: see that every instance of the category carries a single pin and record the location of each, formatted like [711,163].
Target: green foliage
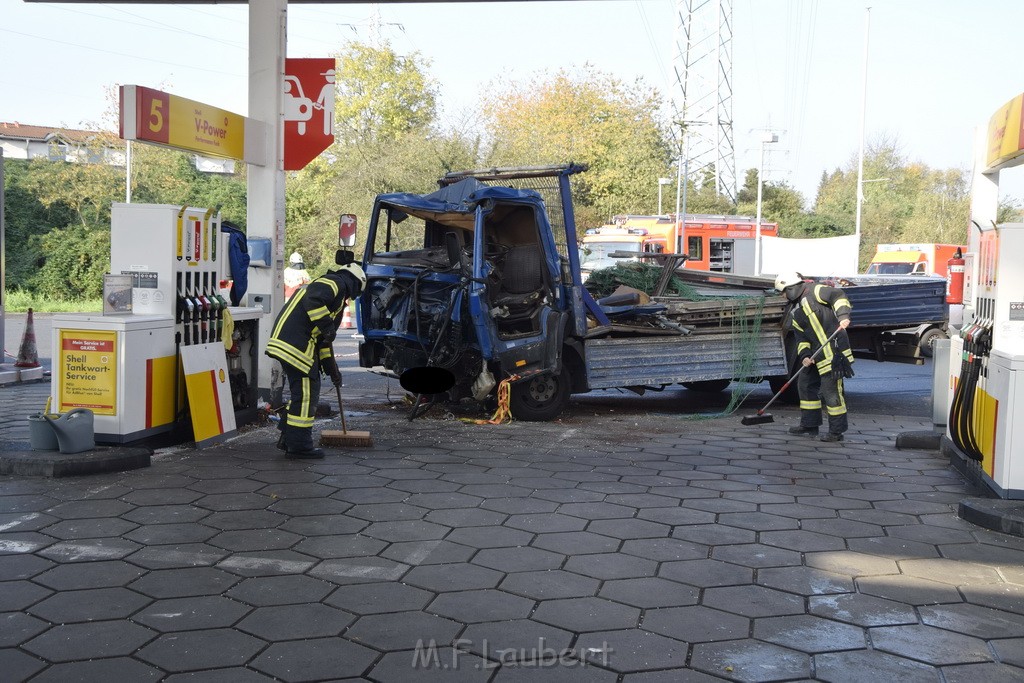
[75,259]
[20,300]
[583,116]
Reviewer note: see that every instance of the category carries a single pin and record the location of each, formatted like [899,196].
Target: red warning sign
[308,110]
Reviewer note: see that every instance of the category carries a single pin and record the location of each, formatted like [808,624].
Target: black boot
[804,431]
[307,453]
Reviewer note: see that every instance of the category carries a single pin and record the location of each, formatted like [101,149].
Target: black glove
[329,367]
[841,367]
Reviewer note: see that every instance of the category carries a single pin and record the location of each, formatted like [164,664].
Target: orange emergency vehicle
[723,244]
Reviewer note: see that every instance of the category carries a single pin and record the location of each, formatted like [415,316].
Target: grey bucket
[40,434]
[74,430]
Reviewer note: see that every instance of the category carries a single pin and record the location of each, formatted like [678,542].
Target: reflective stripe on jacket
[815,317]
[309,316]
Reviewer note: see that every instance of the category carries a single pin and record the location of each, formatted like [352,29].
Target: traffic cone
[28,357]
[346,318]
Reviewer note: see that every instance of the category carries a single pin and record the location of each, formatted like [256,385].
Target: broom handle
[341,410]
[797,373]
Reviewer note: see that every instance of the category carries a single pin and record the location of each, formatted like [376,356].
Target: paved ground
[622,543]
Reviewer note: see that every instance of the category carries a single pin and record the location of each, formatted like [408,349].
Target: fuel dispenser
[182,338]
[985,429]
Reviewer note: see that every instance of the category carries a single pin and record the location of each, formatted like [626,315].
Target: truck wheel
[541,398]
[928,340]
[709,386]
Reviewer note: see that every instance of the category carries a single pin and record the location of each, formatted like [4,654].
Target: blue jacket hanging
[238,257]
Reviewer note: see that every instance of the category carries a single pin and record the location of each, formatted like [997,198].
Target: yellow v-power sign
[153,116]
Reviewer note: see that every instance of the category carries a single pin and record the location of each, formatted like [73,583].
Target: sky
[936,70]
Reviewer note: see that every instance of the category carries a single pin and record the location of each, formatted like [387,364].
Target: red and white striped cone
[28,356]
[346,318]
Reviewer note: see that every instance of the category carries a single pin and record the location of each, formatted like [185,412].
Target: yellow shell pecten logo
[220,375]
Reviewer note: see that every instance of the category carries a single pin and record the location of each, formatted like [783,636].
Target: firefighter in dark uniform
[302,339]
[816,311]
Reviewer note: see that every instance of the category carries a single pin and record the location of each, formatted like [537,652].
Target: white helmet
[295,258]
[788,279]
[356,270]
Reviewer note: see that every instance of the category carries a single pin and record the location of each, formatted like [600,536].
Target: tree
[779,202]
[583,116]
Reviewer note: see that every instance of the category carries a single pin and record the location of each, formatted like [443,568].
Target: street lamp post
[662,182]
[767,139]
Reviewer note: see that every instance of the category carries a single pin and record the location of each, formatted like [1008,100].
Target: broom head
[758,419]
[336,438]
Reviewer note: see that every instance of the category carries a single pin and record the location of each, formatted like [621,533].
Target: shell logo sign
[1005,134]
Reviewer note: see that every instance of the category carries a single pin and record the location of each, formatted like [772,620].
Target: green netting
[640,276]
[745,325]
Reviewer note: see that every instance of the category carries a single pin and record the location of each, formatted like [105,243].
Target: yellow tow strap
[504,412]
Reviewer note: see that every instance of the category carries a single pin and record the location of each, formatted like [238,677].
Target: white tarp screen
[822,256]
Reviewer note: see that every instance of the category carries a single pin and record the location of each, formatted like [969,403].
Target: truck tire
[928,339]
[710,386]
[541,398]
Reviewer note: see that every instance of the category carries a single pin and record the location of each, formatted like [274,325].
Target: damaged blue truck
[481,280]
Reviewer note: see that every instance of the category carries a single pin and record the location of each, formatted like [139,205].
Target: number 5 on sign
[155,105]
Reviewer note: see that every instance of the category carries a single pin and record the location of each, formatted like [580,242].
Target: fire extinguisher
[955,278]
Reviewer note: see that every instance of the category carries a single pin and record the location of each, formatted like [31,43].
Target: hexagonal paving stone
[324,525]
[597,510]
[756,555]
[69,642]
[17,595]
[438,664]
[664,549]
[586,614]
[893,548]
[481,605]
[1000,596]
[753,601]
[862,610]
[802,541]
[288,622]
[387,512]
[750,660]
[179,583]
[909,589]
[428,552]
[714,534]
[606,566]
[160,534]
[89,575]
[320,659]
[18,666]
[990,673]
[543,585]
[199,650]
[180,556]
[89,605]
[265,591]
[632,650]
[359,570]
[453,577]
[805,580]
[166,514]
[402,630]
[378,598]
[1010,651]
[545,523]
[490,537]
[629,528]
[974,620]
[851,563]
[706,573]
[416,530]
[14,567]
[17,627]
[871,666]
[444,500]
[696,624]
[90,528]
[466,517]
[112,669]
[954,572]
[576,543]
[519,641]
[518,559]
[758,521]
[349,545]
[90,550]
[81,509]
[192,614]
[809,634]
[255,540]
[929,644]
[650,592]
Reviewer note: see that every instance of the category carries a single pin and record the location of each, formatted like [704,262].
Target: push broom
[332,437]
[761,417]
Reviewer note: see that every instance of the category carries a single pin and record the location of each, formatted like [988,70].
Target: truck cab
[599,243]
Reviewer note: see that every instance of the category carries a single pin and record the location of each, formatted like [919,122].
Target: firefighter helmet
[788,279]
[295,258]
[357,271]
